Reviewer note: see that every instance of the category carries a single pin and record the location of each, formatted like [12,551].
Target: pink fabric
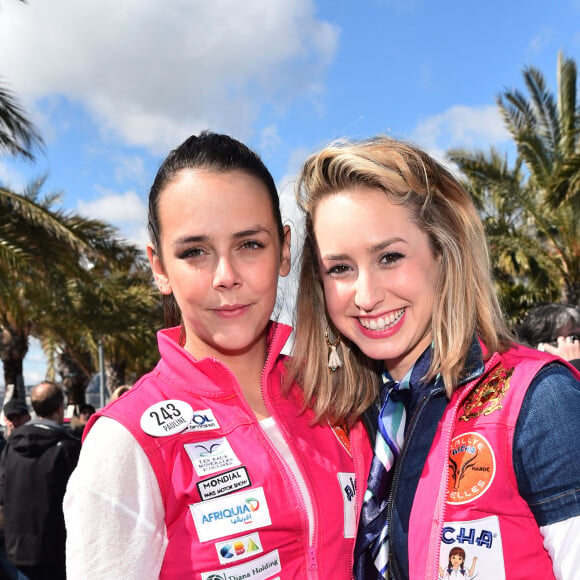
[523,552]
[207,384]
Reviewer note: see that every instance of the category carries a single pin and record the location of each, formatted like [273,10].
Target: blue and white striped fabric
[374,539]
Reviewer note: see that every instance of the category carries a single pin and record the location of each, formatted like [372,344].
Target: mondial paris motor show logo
[471,468]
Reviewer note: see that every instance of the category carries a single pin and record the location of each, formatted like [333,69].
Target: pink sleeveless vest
[467,504]
[231,508]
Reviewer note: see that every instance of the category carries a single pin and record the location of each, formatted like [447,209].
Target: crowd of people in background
[402,367]
[39,450]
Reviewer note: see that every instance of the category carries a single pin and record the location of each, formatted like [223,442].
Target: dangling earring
[334,361]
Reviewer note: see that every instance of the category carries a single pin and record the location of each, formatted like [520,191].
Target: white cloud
[130,168]
[461,126]
[126,211]
[11,178]
[151,71]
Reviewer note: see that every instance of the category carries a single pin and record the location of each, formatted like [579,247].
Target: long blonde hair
[466,302]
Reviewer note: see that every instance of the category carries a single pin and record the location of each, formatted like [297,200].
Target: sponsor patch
[471,468]
[211,456]
[348,486]
[259,569]
[166,418]
[487,397]
[203,421]
[341,433]
[238,512]
[474,546]
[239,548]
[224,483]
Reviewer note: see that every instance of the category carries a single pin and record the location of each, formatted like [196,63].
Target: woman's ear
[285,258]
[158,270]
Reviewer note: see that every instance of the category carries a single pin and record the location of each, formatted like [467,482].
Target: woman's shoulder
[556,380]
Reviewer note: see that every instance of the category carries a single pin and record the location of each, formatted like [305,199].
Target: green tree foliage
[67,280]
[531,210]
[18,136]
[70,281]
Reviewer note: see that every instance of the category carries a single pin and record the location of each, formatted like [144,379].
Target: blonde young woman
[476,437]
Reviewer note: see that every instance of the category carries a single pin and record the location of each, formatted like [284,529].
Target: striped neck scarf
[372,546]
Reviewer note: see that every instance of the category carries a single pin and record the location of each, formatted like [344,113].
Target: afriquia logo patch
[238,512]
[487,397]
[471,468]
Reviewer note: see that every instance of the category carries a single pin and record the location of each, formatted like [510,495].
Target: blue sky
[114,85]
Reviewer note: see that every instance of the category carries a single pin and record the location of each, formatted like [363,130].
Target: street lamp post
[101,373]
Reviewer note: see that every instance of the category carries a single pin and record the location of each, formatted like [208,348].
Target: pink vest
[467,502]
[231,508]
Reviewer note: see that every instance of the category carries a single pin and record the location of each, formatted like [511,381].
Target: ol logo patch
[471,468]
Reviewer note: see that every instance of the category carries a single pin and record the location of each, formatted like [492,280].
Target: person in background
[553,328]
[118,392]
[34,469]
[15,414]
[475,435]
[78,424]
[207,467]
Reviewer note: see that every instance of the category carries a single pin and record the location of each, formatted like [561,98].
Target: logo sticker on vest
[259,569]
[211,456]
[472,549]
[224,483]
[203,421]
[347,483]
[486,398]
[238,512]
[471,468]
[341,433]
[166,418]
[231,551]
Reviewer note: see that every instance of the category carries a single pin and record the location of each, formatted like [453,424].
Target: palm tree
[18,136]
[27,230]
[116,306]
[522,270]
[41,251]
[535,234]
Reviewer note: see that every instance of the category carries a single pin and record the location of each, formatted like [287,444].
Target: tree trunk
[13,349]
[74,378]
[115,373]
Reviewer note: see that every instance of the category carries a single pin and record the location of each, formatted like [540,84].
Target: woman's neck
[248,370]
[247,367]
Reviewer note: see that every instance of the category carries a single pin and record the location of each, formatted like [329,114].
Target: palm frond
[569,123]
[18,136]
[545,109]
